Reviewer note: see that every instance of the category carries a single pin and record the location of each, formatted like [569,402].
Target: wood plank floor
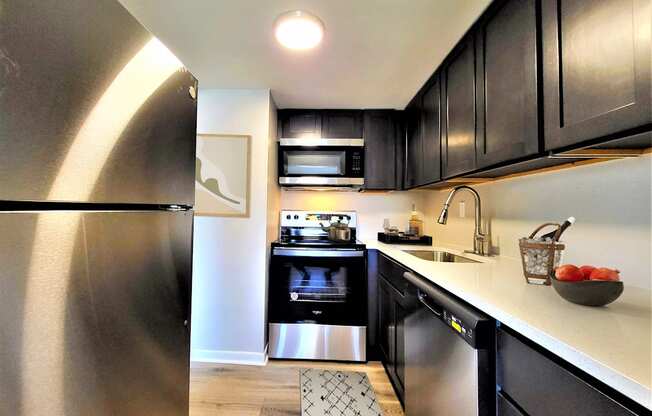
[271,390]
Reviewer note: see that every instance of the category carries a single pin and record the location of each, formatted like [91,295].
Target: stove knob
[289,217]
[296,217]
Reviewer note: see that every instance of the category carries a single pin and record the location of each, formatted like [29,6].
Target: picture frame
[223,175]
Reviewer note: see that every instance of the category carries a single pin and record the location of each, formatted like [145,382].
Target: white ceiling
[375,53]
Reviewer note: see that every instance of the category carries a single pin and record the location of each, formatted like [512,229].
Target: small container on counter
[540,258]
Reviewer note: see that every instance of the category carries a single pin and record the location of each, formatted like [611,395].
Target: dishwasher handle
[425,301]
[473,326]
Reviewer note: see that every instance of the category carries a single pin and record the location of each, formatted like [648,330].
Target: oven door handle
[311,252]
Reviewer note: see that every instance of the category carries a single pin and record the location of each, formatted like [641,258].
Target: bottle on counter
[415,225]
[551,235]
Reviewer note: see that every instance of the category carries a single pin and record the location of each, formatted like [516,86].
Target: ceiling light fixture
[298,30]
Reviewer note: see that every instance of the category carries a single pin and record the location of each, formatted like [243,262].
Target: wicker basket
[540,258]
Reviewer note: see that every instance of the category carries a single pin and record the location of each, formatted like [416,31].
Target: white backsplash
[372,207]
[610,200]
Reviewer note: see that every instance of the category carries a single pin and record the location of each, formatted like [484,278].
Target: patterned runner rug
[337,393]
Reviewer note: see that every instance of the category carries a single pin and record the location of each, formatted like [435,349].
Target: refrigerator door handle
[177,208]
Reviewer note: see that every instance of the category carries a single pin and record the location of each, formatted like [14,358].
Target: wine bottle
[551,235]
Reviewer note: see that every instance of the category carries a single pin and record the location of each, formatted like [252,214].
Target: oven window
[311,163]
[318,284]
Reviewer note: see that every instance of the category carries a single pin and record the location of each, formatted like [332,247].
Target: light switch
[462,209]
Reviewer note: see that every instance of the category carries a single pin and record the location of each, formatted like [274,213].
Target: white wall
[230,254]
[611,201]
[273,193]
[372,207]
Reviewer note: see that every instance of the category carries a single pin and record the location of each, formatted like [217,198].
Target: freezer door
[93,313]
[92,107]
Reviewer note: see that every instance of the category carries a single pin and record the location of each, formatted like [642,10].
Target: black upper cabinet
[596,67]
[414,151]
[300,123]
[400,150]
[381,133]
[506,76]
[458,92]
[328,124]
[341,124]
[431,137]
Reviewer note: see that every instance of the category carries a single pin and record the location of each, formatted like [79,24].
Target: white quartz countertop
[611,343]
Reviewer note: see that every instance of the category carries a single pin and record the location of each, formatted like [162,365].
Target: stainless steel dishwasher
[449,349]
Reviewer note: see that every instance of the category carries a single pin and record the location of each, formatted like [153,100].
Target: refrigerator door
[93,108]
[94,309]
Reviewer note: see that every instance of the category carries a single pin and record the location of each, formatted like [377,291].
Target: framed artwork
[222,175]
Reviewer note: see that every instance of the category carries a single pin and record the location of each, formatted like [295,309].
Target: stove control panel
[317,219]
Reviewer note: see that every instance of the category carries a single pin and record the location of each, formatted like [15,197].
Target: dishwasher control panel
[458,326]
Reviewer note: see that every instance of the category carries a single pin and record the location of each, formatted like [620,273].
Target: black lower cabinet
[386,327]
[394,304]
[538,385]
[504,407]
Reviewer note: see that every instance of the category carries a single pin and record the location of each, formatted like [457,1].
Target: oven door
[324,162]
[320,286]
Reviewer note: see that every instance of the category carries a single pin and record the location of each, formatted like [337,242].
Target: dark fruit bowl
[588,292]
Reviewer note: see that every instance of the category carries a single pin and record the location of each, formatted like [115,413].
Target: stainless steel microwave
[321,162]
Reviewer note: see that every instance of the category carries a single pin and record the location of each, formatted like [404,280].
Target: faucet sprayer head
[443,216]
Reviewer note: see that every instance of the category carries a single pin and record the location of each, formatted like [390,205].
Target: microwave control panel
[356,162]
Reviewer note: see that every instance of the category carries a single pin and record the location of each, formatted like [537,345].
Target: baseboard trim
[229,357]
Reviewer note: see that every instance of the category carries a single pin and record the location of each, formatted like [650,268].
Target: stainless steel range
[317,289]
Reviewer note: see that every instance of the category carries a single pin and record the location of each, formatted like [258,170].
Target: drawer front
[393,273]
[543,388]
[505,408]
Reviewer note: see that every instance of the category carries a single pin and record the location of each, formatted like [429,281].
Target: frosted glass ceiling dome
[298,30]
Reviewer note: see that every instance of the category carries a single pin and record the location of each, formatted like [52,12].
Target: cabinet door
[386,322]
[380,137]
[341,124]
[401,150]
[431,145]
[401,312]
[542,387]
[458,79]
[413,167]
[506,76]
[505,408]
[404,305]
[596,68]
[300,123]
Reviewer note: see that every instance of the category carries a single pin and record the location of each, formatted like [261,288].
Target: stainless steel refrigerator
[97,156]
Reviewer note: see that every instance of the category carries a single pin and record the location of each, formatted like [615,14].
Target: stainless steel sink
[441,256]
